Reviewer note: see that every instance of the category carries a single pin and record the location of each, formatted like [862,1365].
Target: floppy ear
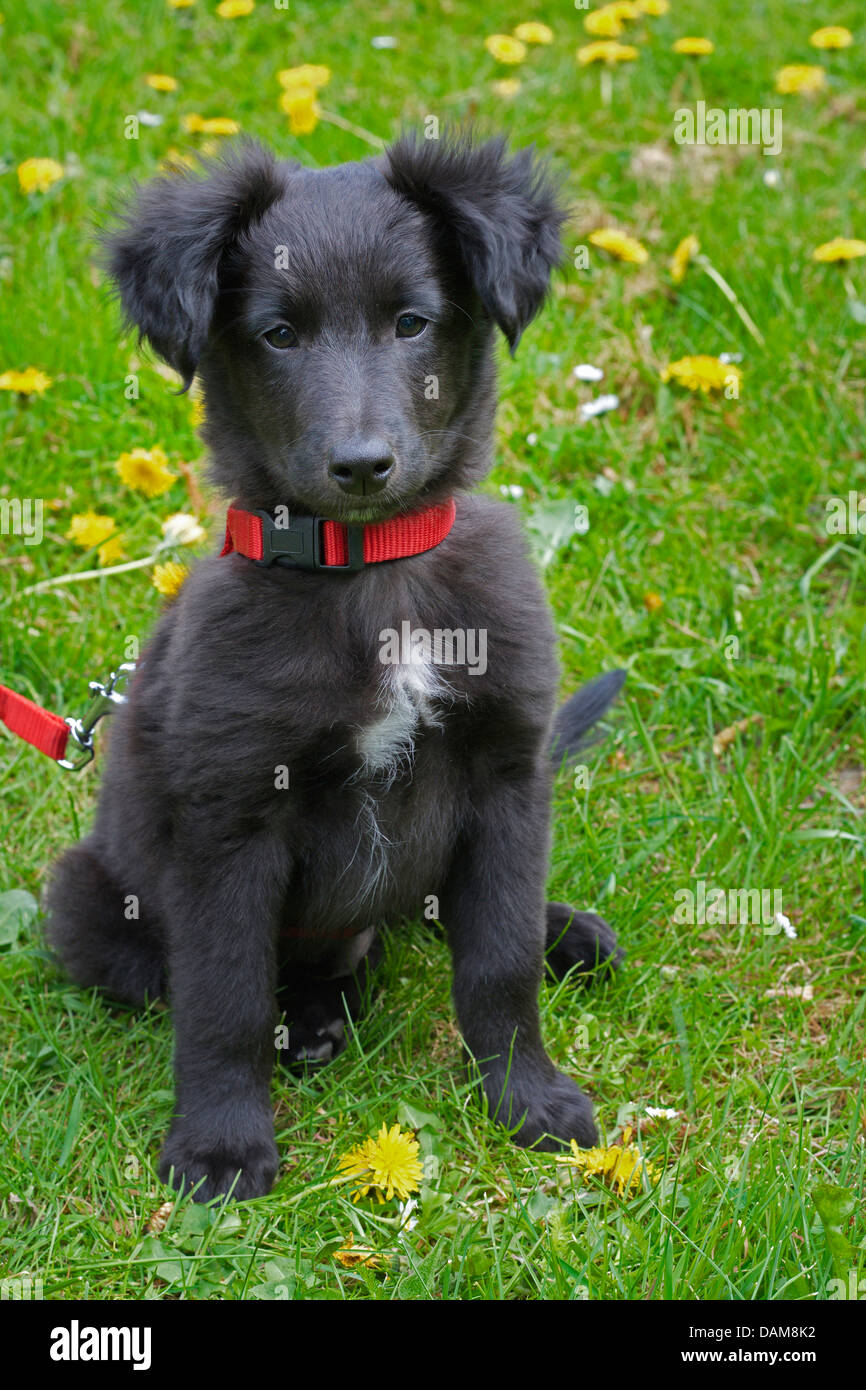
[502,210]
[165,255]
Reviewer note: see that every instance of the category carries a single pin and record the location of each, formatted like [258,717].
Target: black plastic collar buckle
[299,544]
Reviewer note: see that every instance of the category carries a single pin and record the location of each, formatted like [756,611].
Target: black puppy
[304,755]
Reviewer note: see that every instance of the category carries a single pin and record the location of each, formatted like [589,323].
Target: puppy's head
[341,320]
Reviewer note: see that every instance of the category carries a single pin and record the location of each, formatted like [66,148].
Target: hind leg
[317,1003]
[93,928]
[579,941]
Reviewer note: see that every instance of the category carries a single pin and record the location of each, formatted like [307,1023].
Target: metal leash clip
[103,698]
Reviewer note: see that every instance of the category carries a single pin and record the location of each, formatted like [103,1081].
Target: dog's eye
[281,337]
[410,325]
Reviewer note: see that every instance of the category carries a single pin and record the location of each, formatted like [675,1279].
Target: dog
[275,790]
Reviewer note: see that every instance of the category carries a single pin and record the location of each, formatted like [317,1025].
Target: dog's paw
[313,1043]
[556,1112]
[243,1172]
[579,941]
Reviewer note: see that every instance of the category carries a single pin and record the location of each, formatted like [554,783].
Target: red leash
[51,733]
[46,731]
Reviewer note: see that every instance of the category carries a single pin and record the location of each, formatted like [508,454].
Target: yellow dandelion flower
[194,124]
[111,552]
[301,94]
[697,47]
[37,175]
[146,470]
[161,82]
[533,32]
[607,22]
[603,23]
[395,1164]
[30,382]
[219,125]
[654,8]
[506,87]
[302,109]
[505,49]
[652,602]
[703,374]
[606,51]
[688,247]
[800,77]
[624,248]
[180,4]
[234,9]
[385,1165]
[840,249]
[169,578]
[88,529]
[621,1166]
[314,75]
[832,36]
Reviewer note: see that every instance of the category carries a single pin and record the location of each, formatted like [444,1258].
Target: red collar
[314,543]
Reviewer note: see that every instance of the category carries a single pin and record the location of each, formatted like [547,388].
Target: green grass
[716,506]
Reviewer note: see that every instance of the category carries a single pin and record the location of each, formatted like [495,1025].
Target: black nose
[362,467]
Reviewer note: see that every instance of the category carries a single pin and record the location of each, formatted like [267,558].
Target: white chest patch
[410,697]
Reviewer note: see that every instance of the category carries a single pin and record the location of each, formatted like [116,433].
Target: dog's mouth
[365,509]
[359,510]
[346,510]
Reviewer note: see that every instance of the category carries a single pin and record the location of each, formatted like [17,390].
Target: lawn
[706,562]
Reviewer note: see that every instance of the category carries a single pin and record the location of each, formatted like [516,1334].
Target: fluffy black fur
[245,889]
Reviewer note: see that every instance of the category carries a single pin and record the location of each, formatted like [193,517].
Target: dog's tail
[576,717]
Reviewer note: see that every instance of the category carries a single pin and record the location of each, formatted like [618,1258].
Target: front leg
[223,908]
[494,913]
